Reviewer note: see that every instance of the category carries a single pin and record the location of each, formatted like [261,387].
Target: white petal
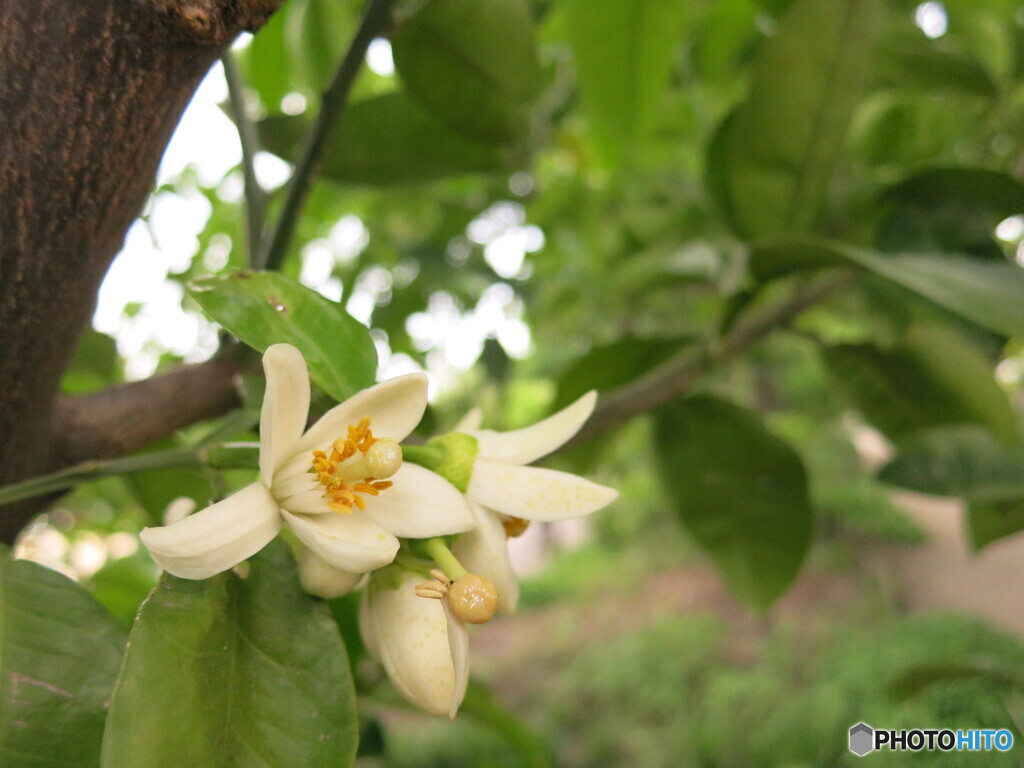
[349,542]
[395,407]
[420,505]
[526,445]
[470,422]
[533,493]
[217,537]
[320,578]
[458,644]
[484,550]
[408,634]
[285,407]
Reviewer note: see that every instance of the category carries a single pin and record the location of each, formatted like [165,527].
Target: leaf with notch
[265,308]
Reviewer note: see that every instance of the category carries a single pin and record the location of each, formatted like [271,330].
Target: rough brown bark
[90,92]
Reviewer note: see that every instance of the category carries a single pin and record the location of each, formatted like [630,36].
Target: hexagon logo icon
[862,739]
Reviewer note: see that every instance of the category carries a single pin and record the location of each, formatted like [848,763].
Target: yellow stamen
[341,495]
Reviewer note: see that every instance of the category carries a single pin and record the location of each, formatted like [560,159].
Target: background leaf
[386,140]
[623,54]
[991,521]
[960,460]
[739,490]
[989,293]
[264,308]
[234,672]
[933,377]
[778,152]
[472,64]
[59,655]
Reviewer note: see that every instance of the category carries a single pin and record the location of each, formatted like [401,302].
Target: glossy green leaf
[989,293]
[960,460]
[778,154]
[121,585]
[264,308]
[472,64]
[739,490]
[59,655]
[991,521]
[623,53]
[234,672]
[934,377]
[386,140]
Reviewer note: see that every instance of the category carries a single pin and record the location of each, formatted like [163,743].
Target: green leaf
[918,63]
[778,154]
[234,672]
[154,489]
[739,490]
[266,62]
[472,64]
[989,293]
[94,365]
[59,656]
[990,521]
[934,377]
[121,585]
[264,308]
[623,53]
[316,35]
[999,194]
[960,460]
[386,140]
[612,365]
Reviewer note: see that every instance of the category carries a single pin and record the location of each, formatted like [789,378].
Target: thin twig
[680,373]
[375,22]
[93,470]
[255,197]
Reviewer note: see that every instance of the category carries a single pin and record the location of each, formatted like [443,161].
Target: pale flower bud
[320,578]
[424,651]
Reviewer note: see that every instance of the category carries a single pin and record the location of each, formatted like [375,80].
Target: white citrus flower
[315,481]
[423,647]
[504,494]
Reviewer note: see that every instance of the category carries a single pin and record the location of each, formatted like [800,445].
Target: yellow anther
[331,470]
[514,526]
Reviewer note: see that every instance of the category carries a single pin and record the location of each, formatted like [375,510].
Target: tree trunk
[90,92]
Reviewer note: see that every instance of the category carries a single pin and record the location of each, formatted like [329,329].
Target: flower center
[355,465]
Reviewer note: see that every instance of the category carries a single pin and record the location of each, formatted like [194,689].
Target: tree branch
[680,373]
[375,22]
[122,419]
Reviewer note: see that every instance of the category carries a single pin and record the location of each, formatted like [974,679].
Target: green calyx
[451,456]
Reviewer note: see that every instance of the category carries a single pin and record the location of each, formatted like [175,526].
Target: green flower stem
[444,558]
